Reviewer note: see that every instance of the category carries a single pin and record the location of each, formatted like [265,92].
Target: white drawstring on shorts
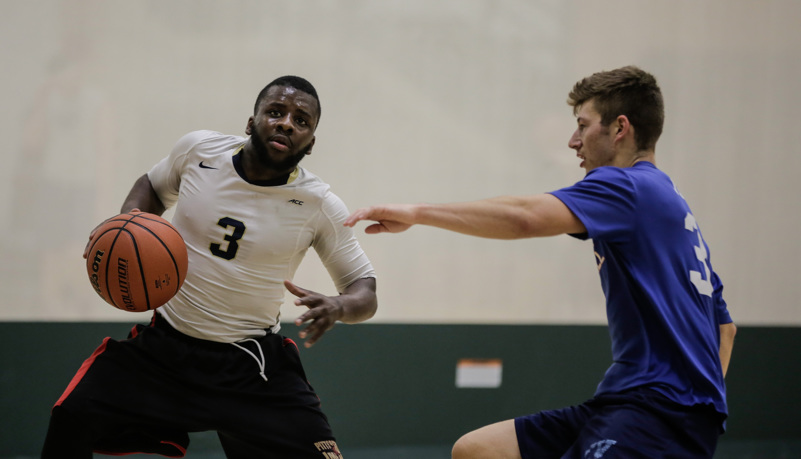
[259,361]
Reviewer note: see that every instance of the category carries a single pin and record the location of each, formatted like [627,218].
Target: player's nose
[285,123]
[574,142]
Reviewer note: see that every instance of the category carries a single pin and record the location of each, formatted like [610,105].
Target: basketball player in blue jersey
[664,395]
[212,358]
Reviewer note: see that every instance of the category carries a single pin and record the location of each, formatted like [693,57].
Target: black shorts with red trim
[144,394]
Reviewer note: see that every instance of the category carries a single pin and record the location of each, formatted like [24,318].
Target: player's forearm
[505,217]
[727,332]
[359,301]
[143,197]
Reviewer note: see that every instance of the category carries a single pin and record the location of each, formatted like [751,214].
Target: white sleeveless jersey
[243,239]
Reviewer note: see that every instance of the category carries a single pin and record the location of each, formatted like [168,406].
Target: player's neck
[254,171]
[247,172]
[629,158]
[644,156]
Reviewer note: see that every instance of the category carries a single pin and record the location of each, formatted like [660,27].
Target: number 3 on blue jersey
[701,281]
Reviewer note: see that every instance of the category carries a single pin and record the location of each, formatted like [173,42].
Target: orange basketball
[136,261]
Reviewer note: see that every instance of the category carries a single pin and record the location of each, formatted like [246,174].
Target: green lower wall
[394,384]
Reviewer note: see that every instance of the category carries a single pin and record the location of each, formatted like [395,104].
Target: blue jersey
[663,300]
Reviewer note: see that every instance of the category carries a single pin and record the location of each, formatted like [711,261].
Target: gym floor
[726,450]
[203,447]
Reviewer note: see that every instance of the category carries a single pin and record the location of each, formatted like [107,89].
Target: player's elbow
[369,307]
[361,312]
[528,226]
[361,303]
[728,331]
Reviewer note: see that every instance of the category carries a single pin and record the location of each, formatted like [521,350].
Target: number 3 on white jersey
[701,281]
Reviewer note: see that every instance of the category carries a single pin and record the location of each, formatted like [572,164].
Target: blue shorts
[637,424]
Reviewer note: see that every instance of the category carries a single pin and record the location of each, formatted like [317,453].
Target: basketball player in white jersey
[212,358]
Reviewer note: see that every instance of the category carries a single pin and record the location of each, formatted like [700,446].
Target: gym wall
[422,101]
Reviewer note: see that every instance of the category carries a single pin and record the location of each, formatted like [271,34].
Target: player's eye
[274,113]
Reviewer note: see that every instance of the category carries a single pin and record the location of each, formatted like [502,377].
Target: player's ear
[249,126]
[311,144]
[621,126]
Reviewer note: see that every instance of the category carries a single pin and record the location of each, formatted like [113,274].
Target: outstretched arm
[505,217]
[356,304]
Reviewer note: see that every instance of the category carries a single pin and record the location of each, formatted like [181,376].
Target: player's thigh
[113,384]
[497,440]
[633,432]
[549,434]
[278,418]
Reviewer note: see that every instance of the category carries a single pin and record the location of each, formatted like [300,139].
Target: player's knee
[496,440]
[68,423]
[466,448]
[67,436]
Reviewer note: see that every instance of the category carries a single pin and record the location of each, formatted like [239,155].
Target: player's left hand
[324,311]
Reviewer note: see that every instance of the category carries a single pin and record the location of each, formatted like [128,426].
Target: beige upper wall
[422,101]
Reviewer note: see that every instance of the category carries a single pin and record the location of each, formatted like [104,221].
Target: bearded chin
[267,161]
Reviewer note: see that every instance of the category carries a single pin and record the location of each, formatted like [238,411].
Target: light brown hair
[627,91]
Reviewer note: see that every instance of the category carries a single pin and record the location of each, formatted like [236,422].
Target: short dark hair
[301,84]
[628,91]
